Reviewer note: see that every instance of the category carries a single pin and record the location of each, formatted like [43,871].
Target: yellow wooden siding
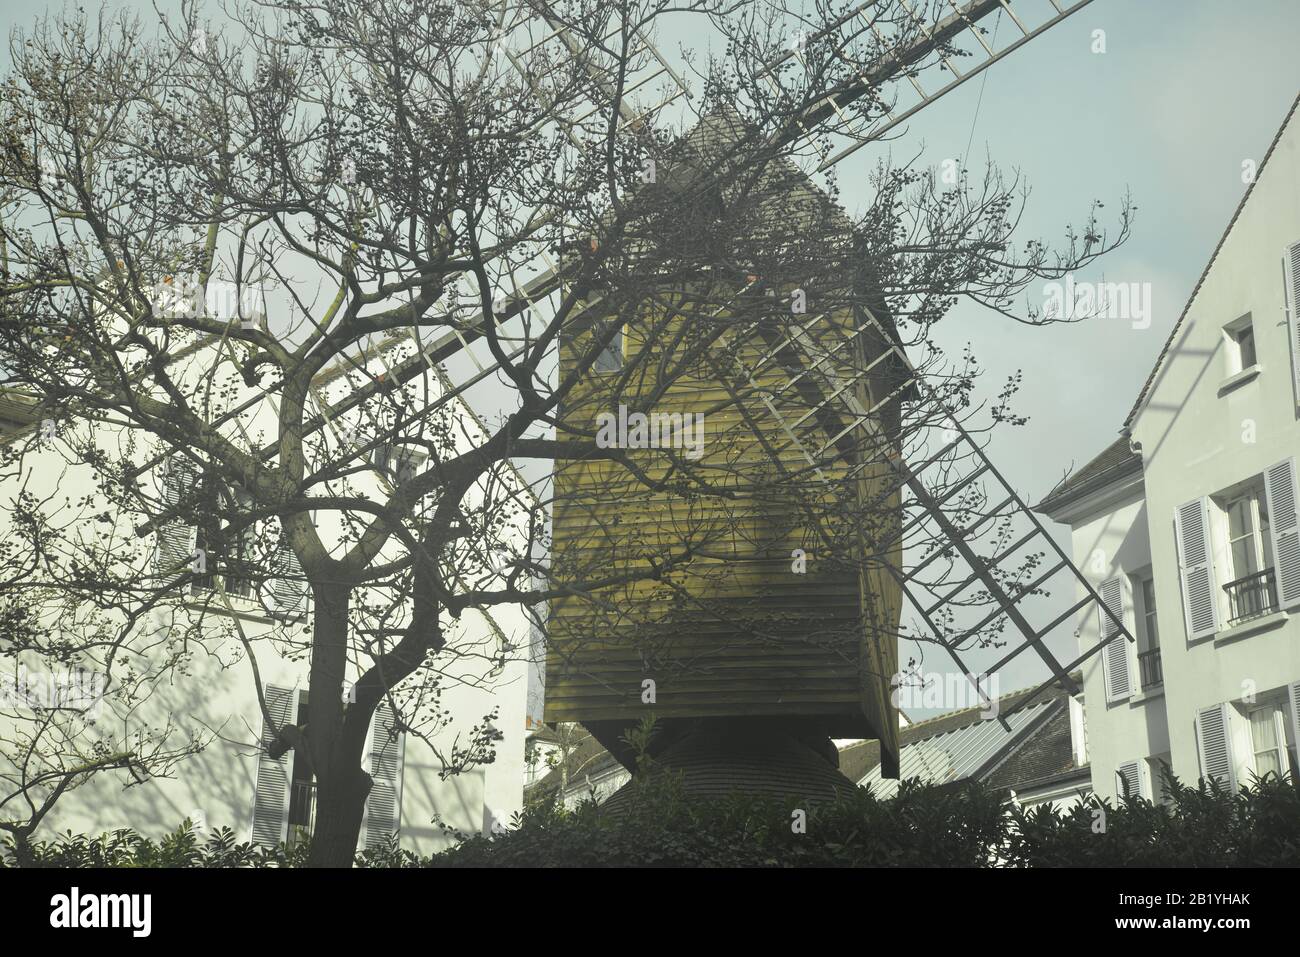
[736,631]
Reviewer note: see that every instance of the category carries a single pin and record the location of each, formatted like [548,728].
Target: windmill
[799,375]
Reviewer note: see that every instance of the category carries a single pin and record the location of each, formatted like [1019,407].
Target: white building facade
[1187,525]
[208,694]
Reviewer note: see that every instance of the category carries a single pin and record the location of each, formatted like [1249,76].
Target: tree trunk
[23,854]
[340,803]
[335,736]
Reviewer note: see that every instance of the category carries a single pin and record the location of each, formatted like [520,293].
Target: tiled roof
[1043,755]
[1116,460]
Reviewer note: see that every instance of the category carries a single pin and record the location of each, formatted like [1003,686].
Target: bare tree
[395,156]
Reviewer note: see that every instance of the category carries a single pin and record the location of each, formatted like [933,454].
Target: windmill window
[611,357]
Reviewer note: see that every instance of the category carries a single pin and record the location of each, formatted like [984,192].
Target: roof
[1043,756]
[18,410]
[1173,333]
[964,744]
[1115,461]
[586,757]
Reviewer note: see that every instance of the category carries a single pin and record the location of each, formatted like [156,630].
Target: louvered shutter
[1214,746]
[1291,279]
[1196,568]
[384,806]
[1129,782]
[1293,701]
[271,795]
[290,588]
[1284,529]
[1119,683]
[176,537]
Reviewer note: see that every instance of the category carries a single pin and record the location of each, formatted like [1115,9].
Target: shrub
[962,825]
[126,848]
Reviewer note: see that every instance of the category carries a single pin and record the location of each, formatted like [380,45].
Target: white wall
[1199,434]
[1198,438]
[216,696]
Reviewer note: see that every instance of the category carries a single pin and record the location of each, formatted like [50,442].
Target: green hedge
[962,825]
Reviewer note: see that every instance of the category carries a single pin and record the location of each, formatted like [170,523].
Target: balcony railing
[1251,596]
[1150,671]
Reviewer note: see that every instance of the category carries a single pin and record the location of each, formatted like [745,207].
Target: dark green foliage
[954,826]
[126,848]
[1206,827]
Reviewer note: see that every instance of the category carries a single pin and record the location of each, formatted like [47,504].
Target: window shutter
[1291,279]
[1196,568]
[1129,784]
[1284,529]
[290,587]
[176,537]
[1119,684]
[271,795]
[384,806]
[1214,746]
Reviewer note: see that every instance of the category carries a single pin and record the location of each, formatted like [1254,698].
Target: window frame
[1222,540]
[1144,609]
[245,543]
[614,349]
[1243,327]
[1280,749]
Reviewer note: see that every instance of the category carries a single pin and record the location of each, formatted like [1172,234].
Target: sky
[1184,94]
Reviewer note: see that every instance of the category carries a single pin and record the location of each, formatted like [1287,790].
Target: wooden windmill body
[781,624]
[748,665]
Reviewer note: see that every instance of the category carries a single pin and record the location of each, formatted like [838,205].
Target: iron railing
[1150,671]
[1251,596]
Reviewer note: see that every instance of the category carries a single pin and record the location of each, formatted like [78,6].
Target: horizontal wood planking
[739,633]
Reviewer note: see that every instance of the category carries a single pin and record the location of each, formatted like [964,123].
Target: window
[400,463]
[1150,671]
[1247,532]
[1268,740]
[233,553]
[1240,337]
[1250,587]
[611,357]
[1150,627]
[302,788]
